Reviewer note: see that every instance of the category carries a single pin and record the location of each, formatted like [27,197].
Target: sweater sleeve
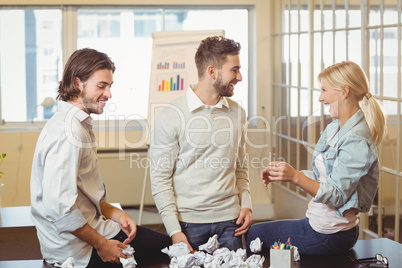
[163,156]
[242,178]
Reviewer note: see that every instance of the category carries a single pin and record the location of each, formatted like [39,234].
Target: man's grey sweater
[199,169]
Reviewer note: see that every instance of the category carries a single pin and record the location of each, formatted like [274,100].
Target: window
[126,36]
[336,33]
[34,47]
[30,62]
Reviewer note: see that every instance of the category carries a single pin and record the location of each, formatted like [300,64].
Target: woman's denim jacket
[351,163]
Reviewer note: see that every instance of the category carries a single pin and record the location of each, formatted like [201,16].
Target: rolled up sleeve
[60,189]
[70,222]
[354,160]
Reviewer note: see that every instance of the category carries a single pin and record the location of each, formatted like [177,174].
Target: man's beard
[222,89]
[92,108]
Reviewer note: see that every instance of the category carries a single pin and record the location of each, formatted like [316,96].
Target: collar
[74,111]
[353,121]
[194,102]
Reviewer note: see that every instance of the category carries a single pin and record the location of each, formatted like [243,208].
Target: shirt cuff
[174,232]
[246,201]
[70,222]
[322,193]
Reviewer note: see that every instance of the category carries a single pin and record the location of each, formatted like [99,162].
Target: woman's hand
[278,171]
[282,171]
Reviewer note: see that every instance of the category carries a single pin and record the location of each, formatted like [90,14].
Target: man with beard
[68,197]
[199,169]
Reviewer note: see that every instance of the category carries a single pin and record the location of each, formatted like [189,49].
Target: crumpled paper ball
[69,263]
[211,245]
[221,257]
[296,254]
[256,245]
[129,262]
[176,250]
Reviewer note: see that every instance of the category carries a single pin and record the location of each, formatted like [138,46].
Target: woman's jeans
[302,236]
[199,233]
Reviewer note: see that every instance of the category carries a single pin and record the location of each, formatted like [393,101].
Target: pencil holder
[281,258]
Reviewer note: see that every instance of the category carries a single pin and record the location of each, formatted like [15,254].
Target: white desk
[20,217]
[15,217]
[18,235]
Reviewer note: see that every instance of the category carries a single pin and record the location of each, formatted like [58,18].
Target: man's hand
[128,226]
[110,250]
[245,220]
[265,177]
[181,237]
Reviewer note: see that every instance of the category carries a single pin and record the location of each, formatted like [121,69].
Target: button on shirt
[66,187]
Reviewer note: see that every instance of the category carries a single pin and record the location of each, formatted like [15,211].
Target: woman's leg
[270,232]
[303,237]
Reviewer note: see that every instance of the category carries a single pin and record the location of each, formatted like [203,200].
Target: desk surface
[12,217]
[386,247]
[363,249]
[18,217]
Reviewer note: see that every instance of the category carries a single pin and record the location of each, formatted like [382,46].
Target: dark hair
[82,64]
[213,51]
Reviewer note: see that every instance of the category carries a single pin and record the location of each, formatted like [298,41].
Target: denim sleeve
[310,174]
[354,160]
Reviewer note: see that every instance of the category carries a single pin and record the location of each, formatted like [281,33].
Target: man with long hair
[68,196]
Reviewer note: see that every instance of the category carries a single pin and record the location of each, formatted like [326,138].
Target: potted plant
[2,156]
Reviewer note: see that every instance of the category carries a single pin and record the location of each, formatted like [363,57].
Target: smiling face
[331,98]
[228,76]
[95,91]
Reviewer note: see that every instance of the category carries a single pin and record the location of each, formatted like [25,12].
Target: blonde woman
[345,172]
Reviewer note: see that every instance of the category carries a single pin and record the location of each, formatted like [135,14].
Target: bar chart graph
[171,82]
[162,66]
[179,65]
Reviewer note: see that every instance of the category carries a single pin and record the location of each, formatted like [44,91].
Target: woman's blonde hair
[348,73]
